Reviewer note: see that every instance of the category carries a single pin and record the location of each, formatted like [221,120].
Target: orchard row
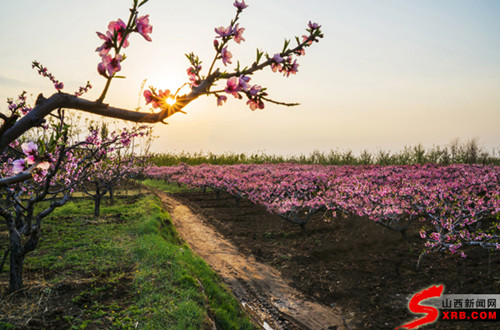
[454,206]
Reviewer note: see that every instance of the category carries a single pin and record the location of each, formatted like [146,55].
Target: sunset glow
[385,76]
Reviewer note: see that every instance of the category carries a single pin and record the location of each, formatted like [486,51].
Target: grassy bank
[167,187]
[126,269]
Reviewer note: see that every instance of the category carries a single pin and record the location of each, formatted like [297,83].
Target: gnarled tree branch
[62,100]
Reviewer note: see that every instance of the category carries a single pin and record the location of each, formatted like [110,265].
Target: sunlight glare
[171,101]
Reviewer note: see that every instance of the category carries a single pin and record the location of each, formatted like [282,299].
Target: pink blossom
[148,96]
[300,52]
[156,100]
[59,85]
[29,148]
[106,46]
[119,28]
[43,71]
[243,81]
[30,160]
[295,67]
[240,5]
[143,27]
[125,141]
[226,56]
[440,195]
[44,166]
[223,32]
[82,90]
[292,67]
[238,34]
[276,65]
[255,90]
[112,64]
[164,94]
[193,76]
[313,26]
[15,144]
[305,38]
[103,65]
[255,104]
[233,87]
[101,68]
[435,236]
[193,71]
[18,166]
[221,99]
[277,58]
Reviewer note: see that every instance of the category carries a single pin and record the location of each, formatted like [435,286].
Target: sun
[170,101]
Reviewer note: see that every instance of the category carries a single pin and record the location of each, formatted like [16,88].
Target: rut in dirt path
[270,301]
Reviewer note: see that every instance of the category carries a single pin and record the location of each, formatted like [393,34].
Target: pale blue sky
[389,73]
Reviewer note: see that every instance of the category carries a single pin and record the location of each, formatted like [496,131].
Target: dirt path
[262,292]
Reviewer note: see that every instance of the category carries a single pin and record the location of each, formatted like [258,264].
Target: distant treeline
[456,152]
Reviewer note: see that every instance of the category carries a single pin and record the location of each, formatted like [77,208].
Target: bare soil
[362,273]
[268,299]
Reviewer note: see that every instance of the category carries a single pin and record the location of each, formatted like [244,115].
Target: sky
[388,74]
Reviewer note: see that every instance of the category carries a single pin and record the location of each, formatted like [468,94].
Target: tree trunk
[16,267]
[97,206]
[16,256]
[97,200]
[111,199]
[420,261]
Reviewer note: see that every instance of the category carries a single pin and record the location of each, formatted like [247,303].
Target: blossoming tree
[33,172]
[56,165]
[112,163]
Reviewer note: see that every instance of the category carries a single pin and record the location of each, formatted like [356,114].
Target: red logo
[431,312]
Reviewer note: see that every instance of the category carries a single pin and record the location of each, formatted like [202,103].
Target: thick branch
[62,100]
[25,175]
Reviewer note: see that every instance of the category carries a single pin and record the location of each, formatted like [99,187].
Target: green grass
[126,269]
[162,185]
[168,187]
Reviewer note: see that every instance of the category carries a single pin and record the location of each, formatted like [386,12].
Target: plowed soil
[350,264]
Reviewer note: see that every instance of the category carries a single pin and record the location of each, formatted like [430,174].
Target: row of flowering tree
[58,165]
[112,161]
[35,169]
[455,206]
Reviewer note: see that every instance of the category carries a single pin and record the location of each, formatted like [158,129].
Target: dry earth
[260,288]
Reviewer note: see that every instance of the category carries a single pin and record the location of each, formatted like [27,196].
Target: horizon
[460,144]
